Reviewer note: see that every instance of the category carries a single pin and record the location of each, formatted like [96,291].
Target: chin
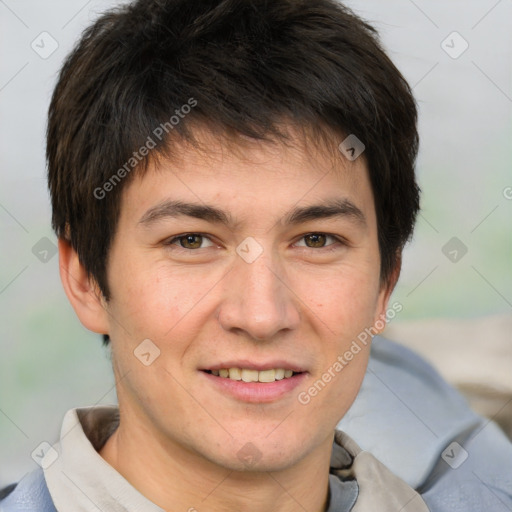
[249,459]
[259,454]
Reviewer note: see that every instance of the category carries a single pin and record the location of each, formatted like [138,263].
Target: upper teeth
[253,375]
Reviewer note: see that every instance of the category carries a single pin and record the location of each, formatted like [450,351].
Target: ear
[83,292]
[385,293]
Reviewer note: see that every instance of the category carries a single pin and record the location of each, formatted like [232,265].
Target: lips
[250,375]
[248,371]
[254,391]
[256,382]
[250,364]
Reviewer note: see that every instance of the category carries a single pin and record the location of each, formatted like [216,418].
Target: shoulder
[456,459]
[378,488]
[29,494]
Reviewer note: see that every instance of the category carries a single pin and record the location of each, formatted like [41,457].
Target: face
[257,263]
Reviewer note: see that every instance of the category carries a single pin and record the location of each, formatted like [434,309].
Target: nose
[257,300]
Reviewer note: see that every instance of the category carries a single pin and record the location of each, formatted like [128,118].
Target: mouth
[250,383]
[250,375]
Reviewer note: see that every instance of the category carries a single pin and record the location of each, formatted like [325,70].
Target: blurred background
[456,283]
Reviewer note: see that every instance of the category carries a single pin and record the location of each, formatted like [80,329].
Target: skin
[179,437]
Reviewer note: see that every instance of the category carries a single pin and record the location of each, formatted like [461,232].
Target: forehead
[272,174]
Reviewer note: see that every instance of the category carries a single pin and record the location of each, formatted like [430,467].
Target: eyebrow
[341,208]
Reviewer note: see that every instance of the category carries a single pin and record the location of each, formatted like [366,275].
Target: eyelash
[338,239]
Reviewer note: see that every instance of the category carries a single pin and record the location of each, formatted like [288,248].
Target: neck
[176,478]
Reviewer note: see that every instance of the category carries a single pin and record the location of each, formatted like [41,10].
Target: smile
[252,385]
[249,375]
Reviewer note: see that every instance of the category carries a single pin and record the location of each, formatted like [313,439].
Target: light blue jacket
[422,429]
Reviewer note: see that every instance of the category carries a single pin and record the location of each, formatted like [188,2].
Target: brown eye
[191,241]
[188,241]
[315,240]
[320,241]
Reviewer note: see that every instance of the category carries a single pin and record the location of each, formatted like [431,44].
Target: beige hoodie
[379,489]
[80,480]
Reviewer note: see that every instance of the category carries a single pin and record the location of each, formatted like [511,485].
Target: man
[232,185]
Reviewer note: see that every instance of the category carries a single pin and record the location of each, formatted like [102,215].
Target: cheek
[153,300]
[346,308]
[345,301]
